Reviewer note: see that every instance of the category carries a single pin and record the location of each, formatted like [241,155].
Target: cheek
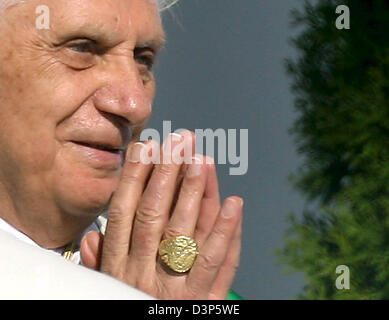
[151,89]
[91,194]
[12,85]
[28,151]
[39,91]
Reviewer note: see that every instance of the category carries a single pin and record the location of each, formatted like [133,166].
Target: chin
[86,196]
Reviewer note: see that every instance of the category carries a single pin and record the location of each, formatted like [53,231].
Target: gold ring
[178,253]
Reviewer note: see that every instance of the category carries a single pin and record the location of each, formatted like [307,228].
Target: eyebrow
[155,44]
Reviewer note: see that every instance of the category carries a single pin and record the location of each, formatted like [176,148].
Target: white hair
[166,4]
[8,3]
[162,4]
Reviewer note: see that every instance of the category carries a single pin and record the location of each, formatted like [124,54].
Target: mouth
[102,147]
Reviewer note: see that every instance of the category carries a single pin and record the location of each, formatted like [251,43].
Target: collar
[76,257]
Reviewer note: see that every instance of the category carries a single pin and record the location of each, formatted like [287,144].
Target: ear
[91,249]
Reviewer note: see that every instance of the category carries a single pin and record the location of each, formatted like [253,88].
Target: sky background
[223,67]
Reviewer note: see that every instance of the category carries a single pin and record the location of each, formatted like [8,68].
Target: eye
[147,61]
[84,46]
[80,53]
[145,57]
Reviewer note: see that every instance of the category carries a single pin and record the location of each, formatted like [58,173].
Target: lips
[101,146]
[98,155]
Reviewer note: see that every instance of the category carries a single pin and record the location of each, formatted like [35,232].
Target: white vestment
[28,271]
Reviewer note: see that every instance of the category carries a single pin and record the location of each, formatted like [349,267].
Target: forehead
[120,19]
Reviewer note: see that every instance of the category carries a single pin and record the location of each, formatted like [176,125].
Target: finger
[91,249]
[154,207]
[210,204]
[226,275]
[123,206]
[214,251]
[184,218]
[179,180]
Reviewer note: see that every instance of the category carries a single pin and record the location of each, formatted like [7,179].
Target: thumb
[91,248]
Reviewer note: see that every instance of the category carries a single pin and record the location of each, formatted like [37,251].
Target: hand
[157,202]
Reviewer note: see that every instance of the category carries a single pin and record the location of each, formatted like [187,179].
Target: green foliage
[341,83]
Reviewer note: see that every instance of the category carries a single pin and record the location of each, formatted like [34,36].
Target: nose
[123,94]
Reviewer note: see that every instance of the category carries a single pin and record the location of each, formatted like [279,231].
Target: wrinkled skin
[73,100]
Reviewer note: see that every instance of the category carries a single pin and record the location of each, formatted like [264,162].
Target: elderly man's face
[71,97]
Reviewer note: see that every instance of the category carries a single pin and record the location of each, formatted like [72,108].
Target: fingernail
[195,168]
[170,152]
[136,152]
[176,136]
[231,207]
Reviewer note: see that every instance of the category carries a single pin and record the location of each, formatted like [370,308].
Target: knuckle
[147,215]
[173,232]
[191,189]
[166,170]
[156,195]
[116,214]
[130,178]
[220,233]
[208,262]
